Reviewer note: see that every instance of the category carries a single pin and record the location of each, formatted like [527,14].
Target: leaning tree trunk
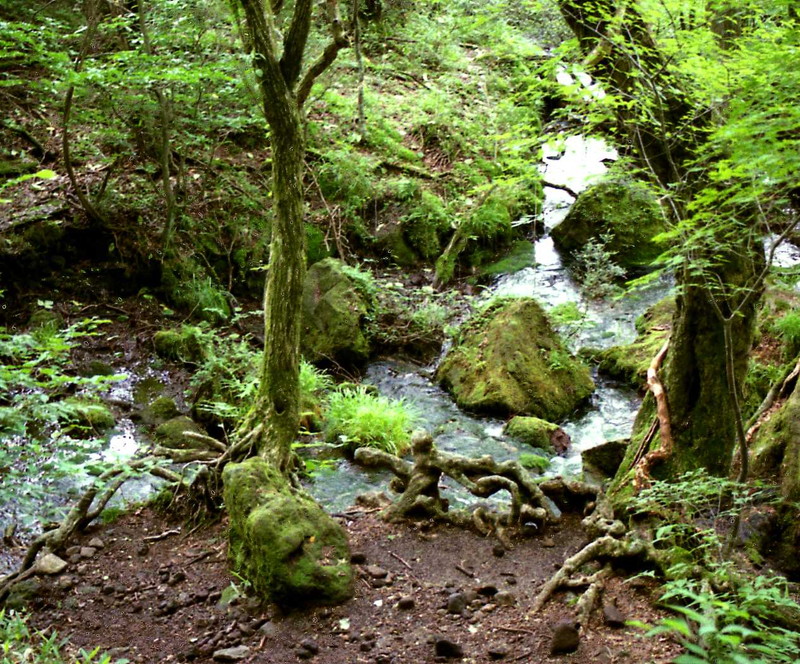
[664,130]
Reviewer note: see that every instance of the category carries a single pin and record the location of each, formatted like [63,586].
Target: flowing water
[609,415]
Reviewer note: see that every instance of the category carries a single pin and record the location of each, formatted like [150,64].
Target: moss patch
[172,434]
[183,345]
[629,362]
[508,360]
[282,541]
[534,432]
[90,414]
[624,210]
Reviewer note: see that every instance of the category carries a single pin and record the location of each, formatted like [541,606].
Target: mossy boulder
[538,433]
[508,360]
[182,345]
[624,211]
[282,541]
[89,414]
[629,362]
[336,304]
[604,459]
[46,319]
[172,434]
[159,411]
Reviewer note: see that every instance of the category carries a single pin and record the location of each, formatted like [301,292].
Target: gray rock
[96,543]
[447,648]
[457,603]
[231,654]
[50,563]
[87,551]
[269,629]
[504,598]
[406,603]
[612,615]
[376,572]
[565,637]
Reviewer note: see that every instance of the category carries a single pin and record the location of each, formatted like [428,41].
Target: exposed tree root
[83,512]
[419,482]
[664,451]
[613,542]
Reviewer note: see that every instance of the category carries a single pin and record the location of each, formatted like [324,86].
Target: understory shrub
[356,417]
[725,615]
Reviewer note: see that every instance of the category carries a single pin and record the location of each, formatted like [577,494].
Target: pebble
[548,542]
[487,590]
[497,650]
[565,637]
[96,543]
[613,616]
[50,563]
[504,598]
[447,648]
[406,603]
[231,654]
[457,603]
[87,551]
[376,572]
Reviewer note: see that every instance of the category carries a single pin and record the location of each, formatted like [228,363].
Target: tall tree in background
[272,423]
[720,271]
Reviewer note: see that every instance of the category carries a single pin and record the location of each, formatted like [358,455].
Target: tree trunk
[279,394]
[665,131]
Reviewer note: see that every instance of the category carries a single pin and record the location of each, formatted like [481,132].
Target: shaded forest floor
[149,590]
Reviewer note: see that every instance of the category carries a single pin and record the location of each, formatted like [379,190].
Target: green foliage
[789,329]
[597,273]
[356,417]
[724,616]
[426,223]
[19,644]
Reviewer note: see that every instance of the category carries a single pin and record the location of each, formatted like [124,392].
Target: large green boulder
[624,214]
[508,360]
[336,304]
[282,541]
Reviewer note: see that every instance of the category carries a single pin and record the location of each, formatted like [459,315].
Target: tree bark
[665,128]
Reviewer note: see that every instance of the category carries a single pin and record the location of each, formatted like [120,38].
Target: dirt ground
[151,591]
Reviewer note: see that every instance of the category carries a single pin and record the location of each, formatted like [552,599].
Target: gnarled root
[483,477]
[83,512]
[612,542]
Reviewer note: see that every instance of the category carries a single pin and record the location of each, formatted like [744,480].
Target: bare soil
[159,592]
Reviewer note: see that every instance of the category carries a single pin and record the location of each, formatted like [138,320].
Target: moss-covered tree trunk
[281,540]
[665,132]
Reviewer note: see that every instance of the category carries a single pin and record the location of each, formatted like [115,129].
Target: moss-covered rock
[172,434]
[335,309]
[776,449]
[604,459]
[159,411]
[629,362]
[538,433]
[183,345]
[508,360]
[282,541]
[90,414]
[625,211]
[46,318]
